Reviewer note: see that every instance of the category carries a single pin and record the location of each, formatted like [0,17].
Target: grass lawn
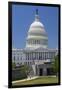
[40,80]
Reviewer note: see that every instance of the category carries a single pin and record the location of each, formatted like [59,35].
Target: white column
[29,56]
[42,55]
[45,55]
[26,56]
[38,55]
[35,55]
[48,54]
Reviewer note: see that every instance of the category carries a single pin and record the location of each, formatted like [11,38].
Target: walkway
[34,77]
[25,79]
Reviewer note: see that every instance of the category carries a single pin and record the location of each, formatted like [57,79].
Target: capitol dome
[37,36]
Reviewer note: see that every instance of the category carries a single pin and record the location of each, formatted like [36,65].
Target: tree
[26,69]
[55,64]
[13,65]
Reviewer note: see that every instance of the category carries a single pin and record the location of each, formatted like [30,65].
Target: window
[20,58]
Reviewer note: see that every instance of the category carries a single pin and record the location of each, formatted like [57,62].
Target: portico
[35,55]
[43,69]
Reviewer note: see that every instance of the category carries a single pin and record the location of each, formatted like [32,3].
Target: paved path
[34,77]
[25,79]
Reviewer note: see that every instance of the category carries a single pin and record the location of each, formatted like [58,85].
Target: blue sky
[24,15]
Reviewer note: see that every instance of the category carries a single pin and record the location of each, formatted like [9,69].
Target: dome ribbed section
[37,36]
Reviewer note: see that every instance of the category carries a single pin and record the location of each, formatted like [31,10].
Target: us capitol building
[36,53]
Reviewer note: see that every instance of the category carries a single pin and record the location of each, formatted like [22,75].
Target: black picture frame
[10,42]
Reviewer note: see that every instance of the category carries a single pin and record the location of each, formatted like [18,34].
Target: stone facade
[40,60]
[36,53]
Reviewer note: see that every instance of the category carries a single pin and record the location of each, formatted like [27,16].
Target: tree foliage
[55,64]
[26,69]
[13,65]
